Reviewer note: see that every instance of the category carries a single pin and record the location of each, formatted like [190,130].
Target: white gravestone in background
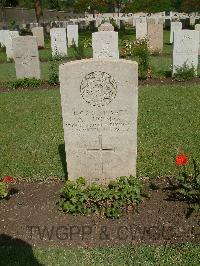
[141,28]
[185,49]
[38,32]
[58,41]
[3,34]
[105,44]
[174,27]
[99,100]
[197,28]
[98,22]
[9,35]
[26,57]
[72,35]
[155,36]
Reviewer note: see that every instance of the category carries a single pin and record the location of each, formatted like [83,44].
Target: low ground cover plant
[185,72]
[79,198]
[24,83]
[4,191]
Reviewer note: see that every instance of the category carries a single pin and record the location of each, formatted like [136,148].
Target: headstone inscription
[99,101]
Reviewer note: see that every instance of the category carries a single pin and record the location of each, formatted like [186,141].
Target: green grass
[31,131]
[183,255]
[7,71]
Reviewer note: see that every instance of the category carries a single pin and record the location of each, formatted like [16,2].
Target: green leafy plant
[53,77]
[79,198]
[3,190]
[188,184]
[87,42]
[184,72]
[24,83]
[4,181]
[78,50]
[138,50]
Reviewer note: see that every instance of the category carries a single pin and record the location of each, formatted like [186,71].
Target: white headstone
[185,49]
[99,101]
[155,36]
[98,22]
[3,35]
[38,32]
[72,35]
[174,27]
[26,57]
[141,28]
[192,20]
[9,35]
[197,28]
[105,44]
[58,41]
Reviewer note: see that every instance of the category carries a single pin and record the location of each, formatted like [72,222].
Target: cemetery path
[31,215]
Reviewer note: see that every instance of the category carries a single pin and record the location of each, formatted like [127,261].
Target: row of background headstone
[105,44]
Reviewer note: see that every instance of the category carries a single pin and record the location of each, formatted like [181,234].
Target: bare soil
[30,215]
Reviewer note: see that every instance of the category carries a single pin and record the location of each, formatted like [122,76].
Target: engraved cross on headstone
[101,150]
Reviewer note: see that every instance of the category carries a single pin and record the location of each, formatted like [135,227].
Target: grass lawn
[182,255]
[32,147]
[32,135]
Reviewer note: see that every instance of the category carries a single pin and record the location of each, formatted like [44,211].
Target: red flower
[181,159]
[8,179]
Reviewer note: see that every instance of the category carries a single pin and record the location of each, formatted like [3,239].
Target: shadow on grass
[14,251]
[61,149]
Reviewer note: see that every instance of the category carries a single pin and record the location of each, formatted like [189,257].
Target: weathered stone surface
[197,28]
[99,101]
[58,41]
[192,20]
[105,44]
[26,57]
[72,34]
[98,22]
[38,32]
[9,35]
[174,27]
[141,28]
[155,37]
[185,50]
[106,27]
[3,34]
